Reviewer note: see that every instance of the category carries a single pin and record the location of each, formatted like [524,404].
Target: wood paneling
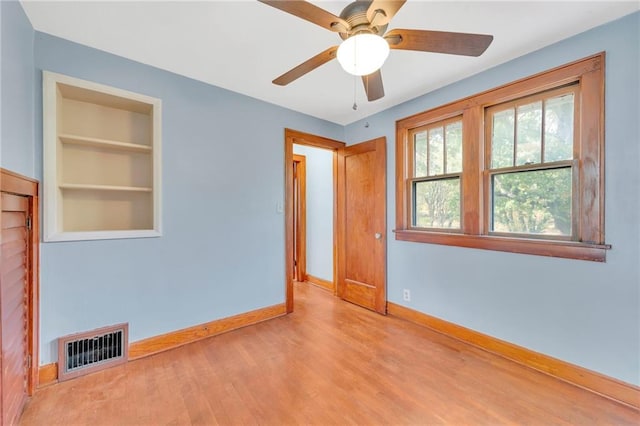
[328,363]
[595,382]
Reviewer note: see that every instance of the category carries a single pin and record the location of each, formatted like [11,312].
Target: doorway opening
[296,231]
[313,211]
[359,219]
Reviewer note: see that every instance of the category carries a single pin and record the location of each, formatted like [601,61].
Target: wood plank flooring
[328,363]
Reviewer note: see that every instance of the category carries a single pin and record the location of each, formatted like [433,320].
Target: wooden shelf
[105,187]
[102,163]
[103,143]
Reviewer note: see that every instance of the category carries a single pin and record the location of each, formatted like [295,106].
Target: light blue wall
[16,129]
[222,252]
[586,313]
[319,210]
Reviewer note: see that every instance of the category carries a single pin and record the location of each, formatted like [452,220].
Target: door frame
[17,184]
[300,225]
[292,137]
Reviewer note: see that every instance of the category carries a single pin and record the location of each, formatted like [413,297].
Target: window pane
[533,202]
[558,128]
[454,147]
[436,151]
[420,150]
[437,204]
[502,139]
[529,137]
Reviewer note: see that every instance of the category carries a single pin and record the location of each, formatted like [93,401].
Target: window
[437,166]
[518,168]
[530,143]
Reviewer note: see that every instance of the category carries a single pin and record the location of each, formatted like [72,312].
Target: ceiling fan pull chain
[355,106]
[355,48]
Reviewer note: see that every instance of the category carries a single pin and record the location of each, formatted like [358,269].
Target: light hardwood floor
[329,362]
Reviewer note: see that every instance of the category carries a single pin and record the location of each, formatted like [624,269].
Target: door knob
[378,235]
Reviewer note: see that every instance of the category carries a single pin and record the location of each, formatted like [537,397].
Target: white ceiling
[243,45]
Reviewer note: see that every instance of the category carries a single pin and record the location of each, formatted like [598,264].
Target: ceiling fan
[362,25]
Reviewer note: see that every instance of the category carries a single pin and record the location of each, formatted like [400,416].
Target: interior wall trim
[48,373]
[328,285]
[600,384]
[174,339]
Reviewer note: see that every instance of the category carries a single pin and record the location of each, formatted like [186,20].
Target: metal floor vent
[83,353]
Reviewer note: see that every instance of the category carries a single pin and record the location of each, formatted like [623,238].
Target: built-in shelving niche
[102,161]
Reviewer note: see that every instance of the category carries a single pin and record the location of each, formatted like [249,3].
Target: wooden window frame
[589,244]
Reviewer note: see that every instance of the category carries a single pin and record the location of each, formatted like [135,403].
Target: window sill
[563,249]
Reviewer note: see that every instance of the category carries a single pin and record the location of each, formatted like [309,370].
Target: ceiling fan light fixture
[363,54]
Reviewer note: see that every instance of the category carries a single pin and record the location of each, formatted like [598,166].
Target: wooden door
[362,224]
[14,300]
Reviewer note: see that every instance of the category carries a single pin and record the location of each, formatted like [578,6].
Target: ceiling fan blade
[311,13]
[439,41]
[373,86]
[306,66]
[380,12]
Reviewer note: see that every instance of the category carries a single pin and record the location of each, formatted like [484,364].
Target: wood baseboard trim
[174,339]
[328,285]
[48,374]
[608,387]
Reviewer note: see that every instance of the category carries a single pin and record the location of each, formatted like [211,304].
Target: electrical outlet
[406,295]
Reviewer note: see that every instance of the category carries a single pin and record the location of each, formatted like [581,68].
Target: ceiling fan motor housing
[356,16]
